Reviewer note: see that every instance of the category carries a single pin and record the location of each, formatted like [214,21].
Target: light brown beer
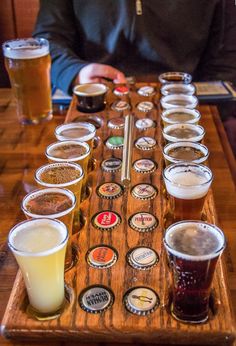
[28,64]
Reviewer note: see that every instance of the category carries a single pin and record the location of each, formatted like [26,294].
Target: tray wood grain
[117,324]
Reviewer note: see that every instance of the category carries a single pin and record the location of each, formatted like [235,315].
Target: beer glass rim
[39,221]
[194,112]
[170,146]
[197,138]
[193,101]
[189,87]
[185,164]
[42,43]
[186,77]
[182,255]
[48,190]
[80,124]
[81,93]
[55,164]
[59,143]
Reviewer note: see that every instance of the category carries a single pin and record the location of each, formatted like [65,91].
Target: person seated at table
[91,40]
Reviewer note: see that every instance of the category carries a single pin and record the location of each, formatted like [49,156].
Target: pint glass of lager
[39,246]
[28,64]
[193,248]
[187,184]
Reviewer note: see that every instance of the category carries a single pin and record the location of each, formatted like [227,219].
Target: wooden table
[22,151]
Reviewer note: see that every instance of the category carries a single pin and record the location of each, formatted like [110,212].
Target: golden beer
[28,64]
[187,185]
[53,203]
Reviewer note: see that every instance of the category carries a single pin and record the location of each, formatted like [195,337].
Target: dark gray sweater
[196,36]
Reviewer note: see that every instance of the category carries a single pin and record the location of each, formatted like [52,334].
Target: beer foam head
[37,237]
[29,48]
[187,181]
[90,89]
[69,151]
[194,240]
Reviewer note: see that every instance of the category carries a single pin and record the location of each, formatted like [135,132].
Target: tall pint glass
[28,64]
[193,248]
[187,184]
[39,246]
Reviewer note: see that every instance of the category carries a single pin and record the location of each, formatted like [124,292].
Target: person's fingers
[95,72]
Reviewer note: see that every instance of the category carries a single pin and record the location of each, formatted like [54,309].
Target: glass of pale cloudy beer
[39,246]
[193,248]
[66,175]
[185,151]
[71,151]
[53,203]
[187,184]
[28,64]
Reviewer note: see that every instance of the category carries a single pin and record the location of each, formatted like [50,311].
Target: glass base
[190,320]
[36,121]
[44,316]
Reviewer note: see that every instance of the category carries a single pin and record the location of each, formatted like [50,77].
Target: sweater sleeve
[219,59]
[56,22]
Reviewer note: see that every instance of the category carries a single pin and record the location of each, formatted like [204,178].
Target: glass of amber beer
[39,246]
[187,184]
[53,203]
[193,248]
[28,64]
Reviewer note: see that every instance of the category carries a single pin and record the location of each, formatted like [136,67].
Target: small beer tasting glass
[187,184]
[53,203]
[193,248]
[180,115]
[90,97]
[183,132]
[39,246]
[178,88]
[179,100]
[175,77]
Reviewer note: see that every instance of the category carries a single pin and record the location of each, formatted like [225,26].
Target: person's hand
[96,73]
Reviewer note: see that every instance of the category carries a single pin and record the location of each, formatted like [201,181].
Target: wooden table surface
[22,151]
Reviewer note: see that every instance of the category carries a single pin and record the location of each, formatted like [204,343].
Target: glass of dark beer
[193,248]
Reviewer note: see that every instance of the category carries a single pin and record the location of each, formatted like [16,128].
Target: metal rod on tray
[127,150]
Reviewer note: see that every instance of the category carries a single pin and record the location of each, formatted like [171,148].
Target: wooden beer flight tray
[117,324]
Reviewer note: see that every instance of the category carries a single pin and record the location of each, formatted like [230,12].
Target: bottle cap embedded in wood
[144,166]
[116,123]
[143,222]
[145,143]
[145,106]
[106,220]
[112,164]
[96,299]
[142,258]
[120,106]
[102,257]
[145,123]
[146,90]
[115,142]
[144,191]
[141,301]
[121,90]
[110,190]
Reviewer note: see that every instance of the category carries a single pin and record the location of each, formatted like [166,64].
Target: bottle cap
[106,220]
[121,90]
[146,90]
[116,123]
[110,190]
[141,301]
[143,222]
[120,106]
[144,166]
[142,258]
[144,191]
[115,142]
[96,299]
[112,164]
[102,257]
[145,143]
[145,106]
[145,123]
